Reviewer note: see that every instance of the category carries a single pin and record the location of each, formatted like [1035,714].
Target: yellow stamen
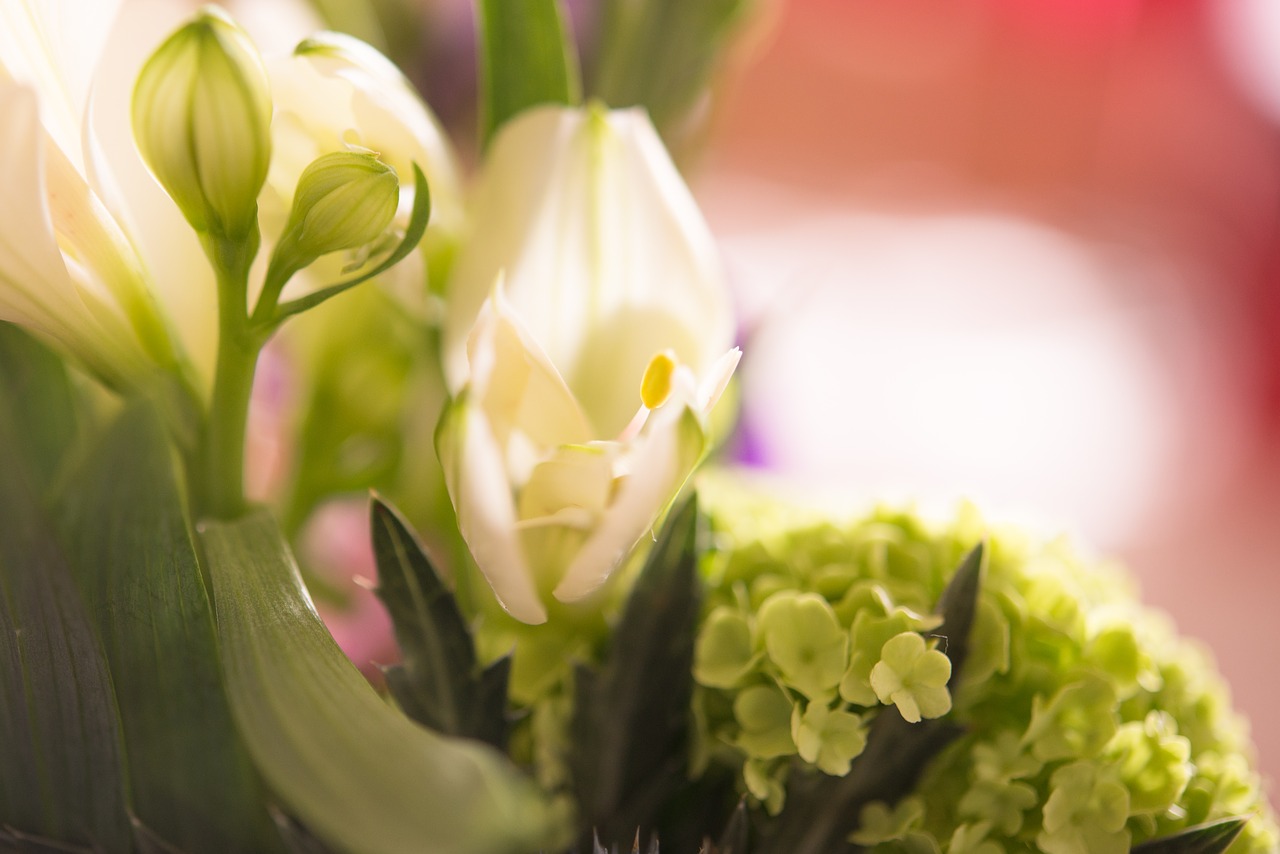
[655,388]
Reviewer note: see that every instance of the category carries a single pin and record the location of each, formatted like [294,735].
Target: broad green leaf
[61,764]
[34,384]
[526,58]
[353,769]
[122,520]
[660,54]
[439,684]
[822,811]
[1213,837]
[631,723]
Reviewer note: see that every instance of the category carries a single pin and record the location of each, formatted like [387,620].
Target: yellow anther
[655,388]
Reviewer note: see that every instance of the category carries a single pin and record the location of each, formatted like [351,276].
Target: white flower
[68,267]
[336,93]
[584,382]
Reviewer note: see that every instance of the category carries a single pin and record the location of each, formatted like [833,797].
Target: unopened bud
[344,200]
[201,117]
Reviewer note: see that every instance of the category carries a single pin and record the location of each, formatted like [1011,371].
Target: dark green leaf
[631,728]
[734,838]
[61,769]
[413,233]
[353,769]
[439,684]
[660,54]
[1212,837]
[122,520]
[526,58]
[822,811]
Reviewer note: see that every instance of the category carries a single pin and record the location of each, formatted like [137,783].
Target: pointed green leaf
[61,769]
[1213,837]
[122,519]
[439,684]
[631,723]
[526,58]
[822,811]
[359,774]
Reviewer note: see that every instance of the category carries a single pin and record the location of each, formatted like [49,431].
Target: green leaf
[34,385]
[357,772]
[526,58]
[631,724]
[413,232]
[1213,837]
[822,811]
[439,684]
[660,54]
[121,513]
[61,768]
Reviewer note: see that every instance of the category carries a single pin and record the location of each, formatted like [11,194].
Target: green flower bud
[201,118]
[344,200]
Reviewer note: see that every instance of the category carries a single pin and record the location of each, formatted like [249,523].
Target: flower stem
[221,490]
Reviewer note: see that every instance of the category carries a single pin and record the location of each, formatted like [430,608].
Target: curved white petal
[54,46]
[660,461]
[476,476]
[607,259]
[517,385]
[37,288]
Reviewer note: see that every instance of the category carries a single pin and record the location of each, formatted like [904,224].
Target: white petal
[338,91]
[607,259]
[717,379]
[54,45]
[661,461]
[36,287]
[517,385]
[476,477]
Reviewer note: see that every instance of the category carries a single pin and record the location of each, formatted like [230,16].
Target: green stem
[222,483]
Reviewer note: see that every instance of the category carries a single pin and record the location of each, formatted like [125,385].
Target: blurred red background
[1026,253]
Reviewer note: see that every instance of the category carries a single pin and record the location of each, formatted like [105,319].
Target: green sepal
[526,58]
[413,233]
[439,684]
[631,725]
[356,771]
[1213,837]
[122,519]
[62,775]
[822,811]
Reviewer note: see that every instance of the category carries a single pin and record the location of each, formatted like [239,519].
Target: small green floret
[913,677]
[804,640]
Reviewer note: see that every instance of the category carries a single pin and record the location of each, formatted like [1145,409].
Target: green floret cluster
[1088,725]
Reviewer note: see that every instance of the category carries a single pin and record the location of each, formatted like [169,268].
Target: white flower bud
[202,116]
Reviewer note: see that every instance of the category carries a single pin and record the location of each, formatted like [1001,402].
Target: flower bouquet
[596,651]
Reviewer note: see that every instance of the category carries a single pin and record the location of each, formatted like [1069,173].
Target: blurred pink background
[1025,253]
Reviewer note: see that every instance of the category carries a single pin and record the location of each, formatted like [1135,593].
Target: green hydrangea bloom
[1088,724]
